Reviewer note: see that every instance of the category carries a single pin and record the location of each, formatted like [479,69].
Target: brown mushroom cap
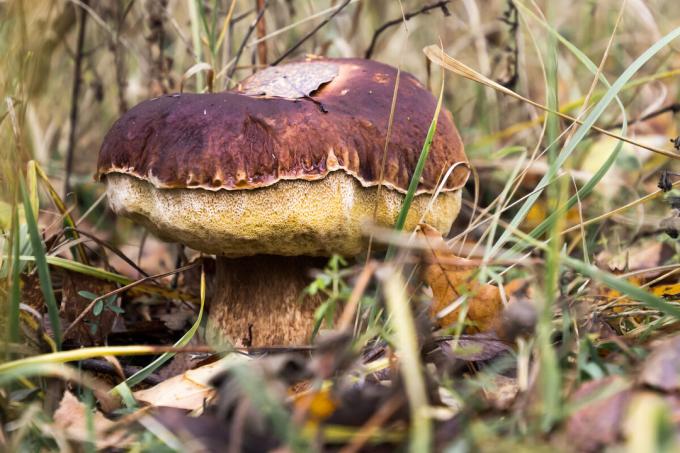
[234,141]
[272,170]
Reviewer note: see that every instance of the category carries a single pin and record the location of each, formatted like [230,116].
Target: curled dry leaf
[71,417]
[189,390]
[451,277]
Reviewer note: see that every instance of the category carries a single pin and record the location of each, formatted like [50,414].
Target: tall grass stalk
[550,376]
[15,296]
[406,342]
[41,264]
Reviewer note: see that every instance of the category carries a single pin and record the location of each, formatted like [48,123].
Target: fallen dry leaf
[318,405]
[667,291]
[451,277]
[189,390]
[71,417]
[291,81]
[186,391]
[598,421]
[31,294]
[661,370]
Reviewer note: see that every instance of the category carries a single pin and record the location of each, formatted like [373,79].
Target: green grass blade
[194,16]
[81,268]
[417,173]
[32,185]
[411,368]
[16,271]
[63,210]
[583,192]
[74,355]
[41,264]
[550,377]
[42,369]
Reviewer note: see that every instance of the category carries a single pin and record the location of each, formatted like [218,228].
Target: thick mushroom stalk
[276,176]
[259,301]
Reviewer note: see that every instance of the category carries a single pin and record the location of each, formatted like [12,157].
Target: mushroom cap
[234,141]
[287,164]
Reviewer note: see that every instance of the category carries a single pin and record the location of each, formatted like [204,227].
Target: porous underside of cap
[233,141]
[298,217]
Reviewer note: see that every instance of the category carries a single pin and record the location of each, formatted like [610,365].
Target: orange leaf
[451,277]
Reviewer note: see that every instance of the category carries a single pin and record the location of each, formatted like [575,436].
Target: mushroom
[277,175]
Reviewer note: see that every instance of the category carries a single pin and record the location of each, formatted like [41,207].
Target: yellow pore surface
[291,217]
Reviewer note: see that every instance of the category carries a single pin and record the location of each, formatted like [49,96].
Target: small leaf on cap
[290,81]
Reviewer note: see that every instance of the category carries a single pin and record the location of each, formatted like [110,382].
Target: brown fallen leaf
[71,417]
[189,390]
[451,277]
[601,410]
[661,369]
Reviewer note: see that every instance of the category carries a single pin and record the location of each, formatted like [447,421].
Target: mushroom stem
[258,301]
